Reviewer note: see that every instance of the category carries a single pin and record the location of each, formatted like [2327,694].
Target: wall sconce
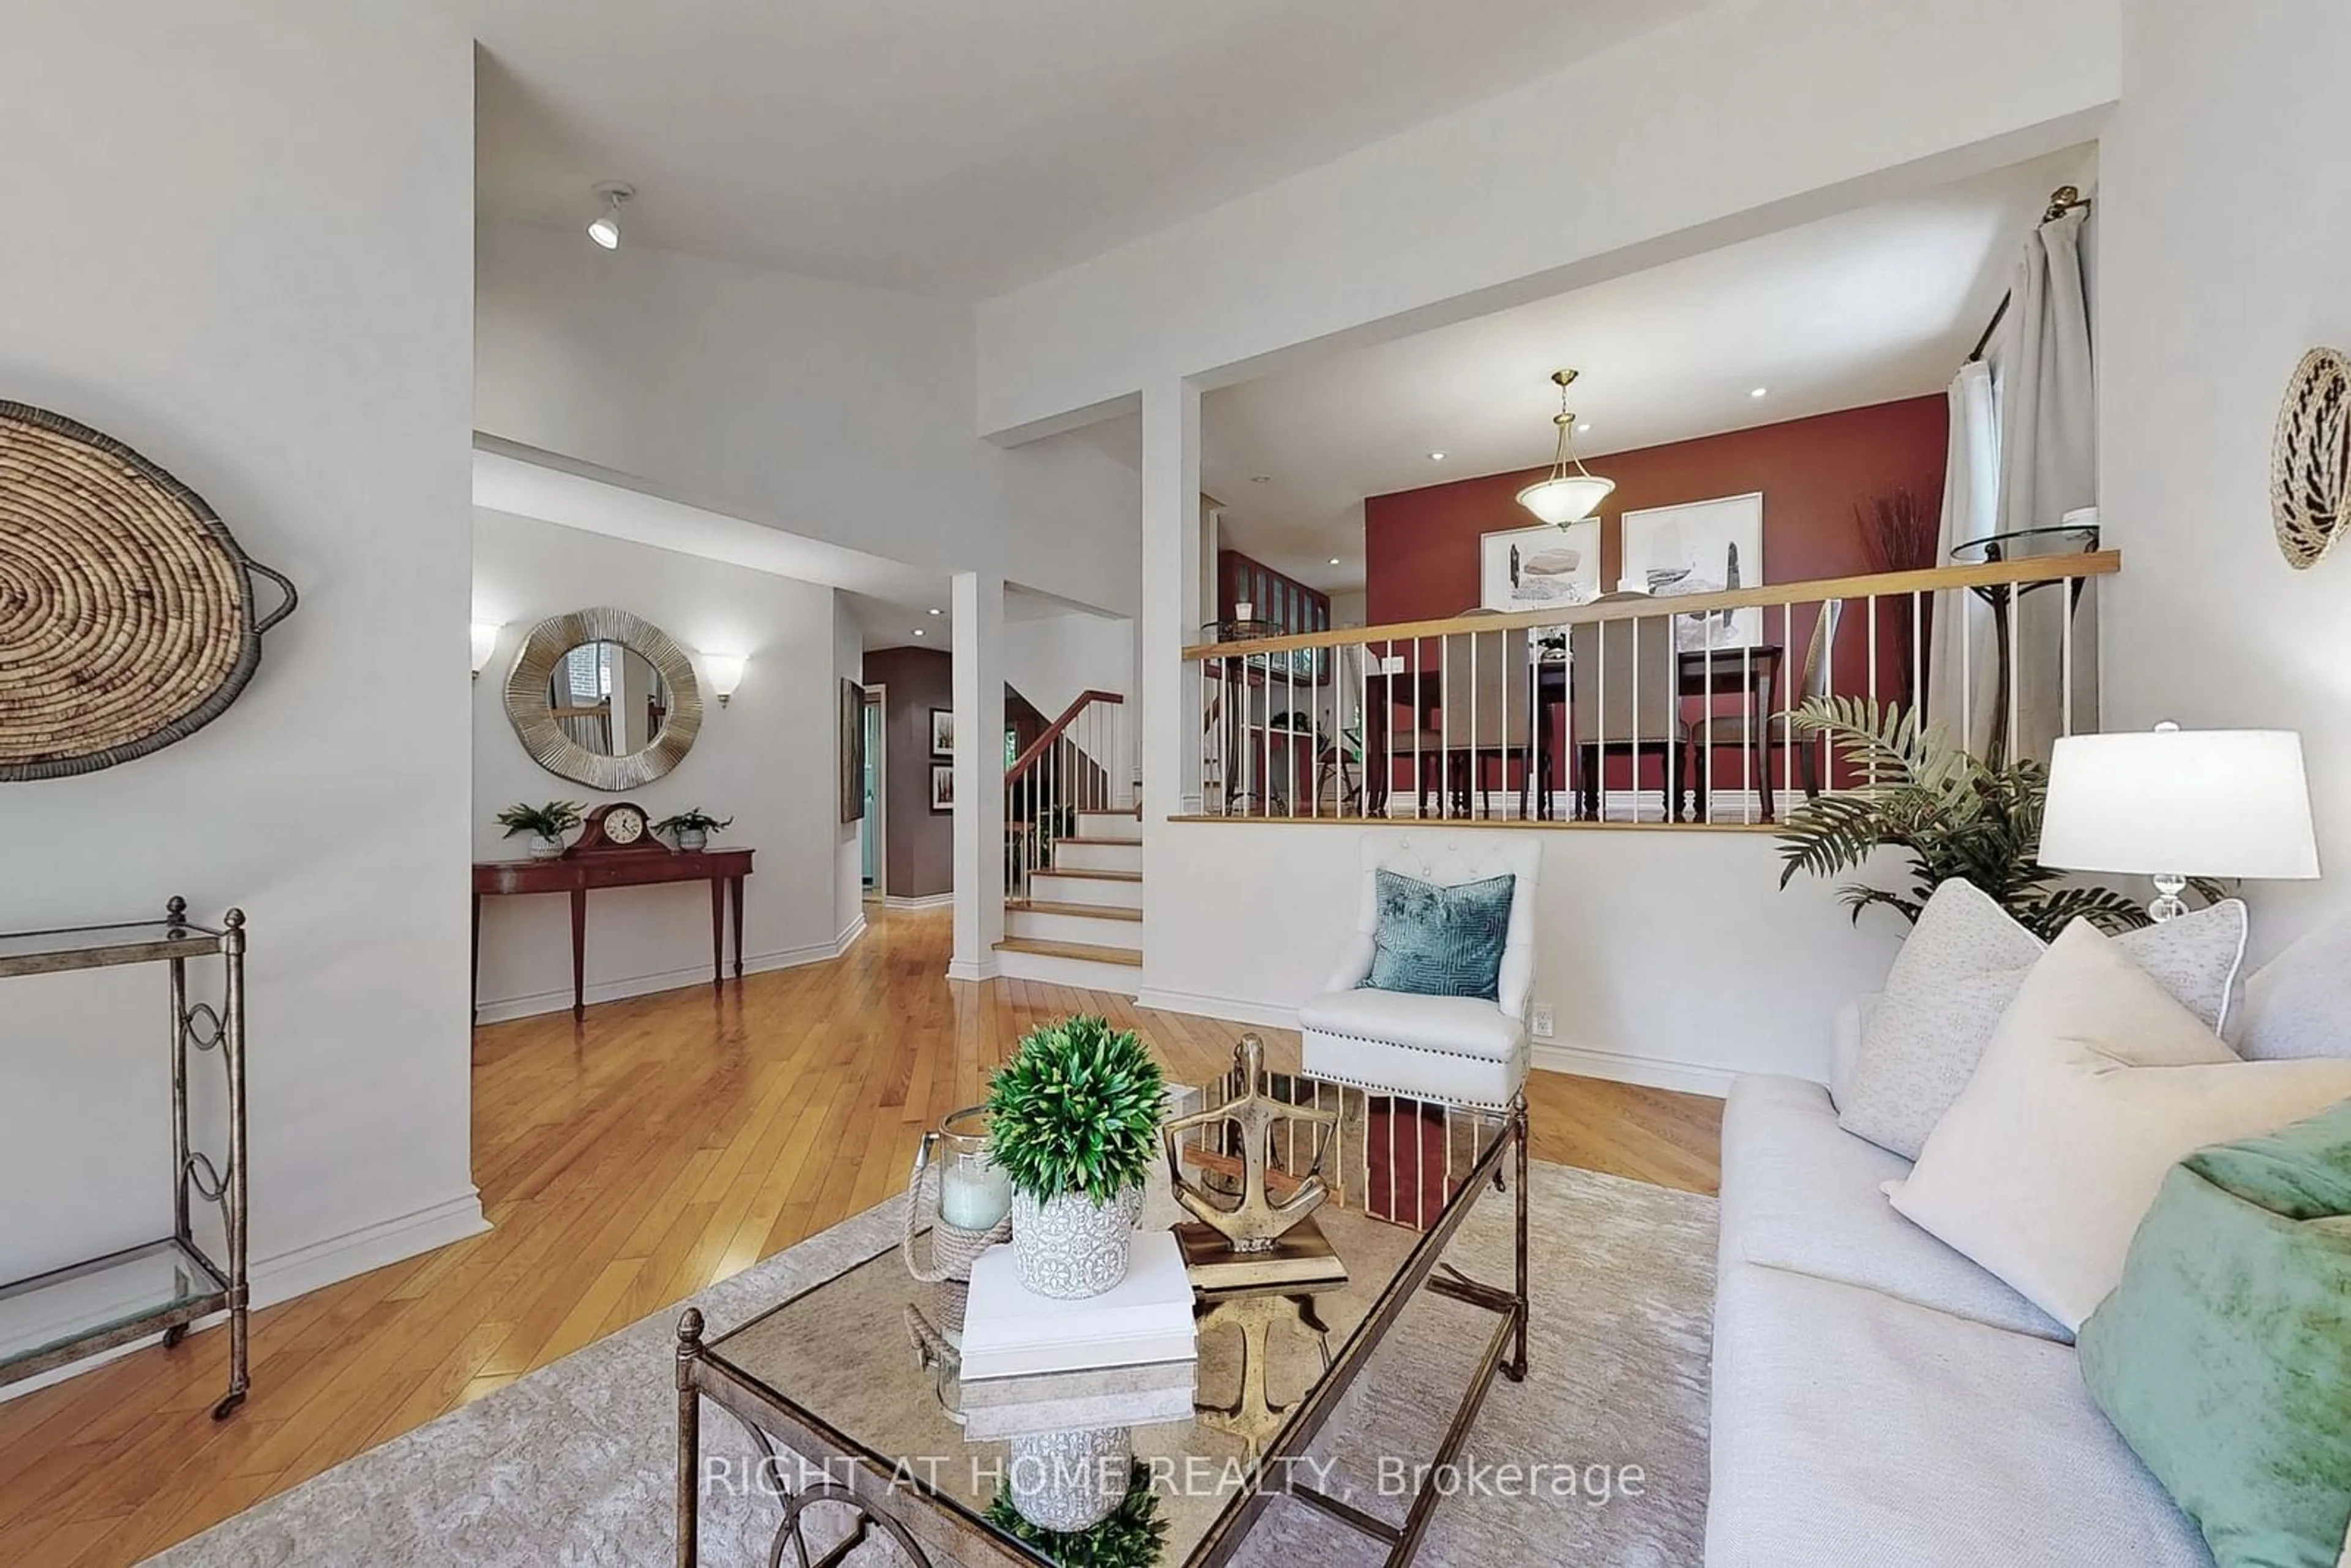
[486,642]
[725,671]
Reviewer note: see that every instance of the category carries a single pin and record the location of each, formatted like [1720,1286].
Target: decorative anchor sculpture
[1255,1242]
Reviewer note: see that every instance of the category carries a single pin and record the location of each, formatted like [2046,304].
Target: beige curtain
[1962,681]
[2047,393]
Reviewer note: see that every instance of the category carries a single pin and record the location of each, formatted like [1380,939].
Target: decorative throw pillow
[1440,941]
[1956,974]
[2093,1084]
[2224,1355]
[2299,1003]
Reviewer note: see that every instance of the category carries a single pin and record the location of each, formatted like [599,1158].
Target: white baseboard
[506,1007]
[975,969]
[298,1272]
[925,900]
[1650,1071]
[1227,1010]
[305,1268]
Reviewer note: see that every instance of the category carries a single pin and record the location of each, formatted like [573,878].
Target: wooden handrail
[2034,569]
[1078,705]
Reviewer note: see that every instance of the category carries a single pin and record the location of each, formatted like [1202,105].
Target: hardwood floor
[663,1144]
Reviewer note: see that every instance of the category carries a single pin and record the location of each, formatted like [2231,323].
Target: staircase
[1074,862]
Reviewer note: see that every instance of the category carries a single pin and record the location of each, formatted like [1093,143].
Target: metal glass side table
[55,1319]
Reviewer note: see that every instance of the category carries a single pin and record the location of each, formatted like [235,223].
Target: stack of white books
[1145,1321]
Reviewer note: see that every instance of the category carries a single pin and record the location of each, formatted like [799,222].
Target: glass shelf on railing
[162,1280]
[96,946]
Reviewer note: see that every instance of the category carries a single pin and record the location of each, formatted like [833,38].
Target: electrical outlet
[1542,1020]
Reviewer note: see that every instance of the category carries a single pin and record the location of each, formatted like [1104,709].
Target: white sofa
[1878,1399]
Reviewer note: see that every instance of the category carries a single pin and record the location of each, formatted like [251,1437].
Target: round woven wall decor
[2310,458]
[126,609]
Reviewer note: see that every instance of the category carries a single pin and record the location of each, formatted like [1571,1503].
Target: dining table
[1747,671]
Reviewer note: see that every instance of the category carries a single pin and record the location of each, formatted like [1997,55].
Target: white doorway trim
[877,711]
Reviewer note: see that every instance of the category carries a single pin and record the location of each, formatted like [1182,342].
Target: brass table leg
[689,1437]
[1515,1369]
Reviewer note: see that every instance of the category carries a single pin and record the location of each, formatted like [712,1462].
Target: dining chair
[1777,729]
[1486,711]
[1624,699]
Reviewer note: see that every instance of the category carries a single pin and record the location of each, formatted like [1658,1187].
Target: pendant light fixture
[1572,492]
[606,228]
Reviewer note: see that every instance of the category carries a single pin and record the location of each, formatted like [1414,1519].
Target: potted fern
[546,825]
[1955,814]
[691,829]
[1074,1123]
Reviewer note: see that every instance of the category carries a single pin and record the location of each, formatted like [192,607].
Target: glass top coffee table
[852,1414]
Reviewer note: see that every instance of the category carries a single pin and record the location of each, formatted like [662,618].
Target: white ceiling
[964,148]
[1872,305]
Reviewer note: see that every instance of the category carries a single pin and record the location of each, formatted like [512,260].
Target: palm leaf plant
[551,820]
[1076,1110]
[1955,815]
[693,819]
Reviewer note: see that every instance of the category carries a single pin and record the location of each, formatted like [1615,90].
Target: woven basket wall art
[127,614]
[2310,458]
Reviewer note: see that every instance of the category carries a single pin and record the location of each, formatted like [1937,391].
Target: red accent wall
[1420,547]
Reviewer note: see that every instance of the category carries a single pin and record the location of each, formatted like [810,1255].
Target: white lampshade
[725,671]
[1566,499]
[2180,802]
[486,642]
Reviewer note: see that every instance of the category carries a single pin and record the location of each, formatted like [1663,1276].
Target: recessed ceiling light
[938,613]
[606,228]
[1260,478]
[1757,392]
[1437,457]
[1335,560]
[1584,428]
[918,631]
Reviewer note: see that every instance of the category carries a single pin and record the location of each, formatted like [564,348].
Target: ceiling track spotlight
[606,228]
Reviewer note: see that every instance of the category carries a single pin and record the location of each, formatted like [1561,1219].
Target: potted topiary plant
[1129,1537]
[691,829]
[546,825]
[1074,1123]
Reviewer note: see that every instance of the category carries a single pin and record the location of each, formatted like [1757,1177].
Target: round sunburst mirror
[604,698]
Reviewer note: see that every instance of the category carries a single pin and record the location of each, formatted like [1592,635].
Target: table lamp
[2174,803]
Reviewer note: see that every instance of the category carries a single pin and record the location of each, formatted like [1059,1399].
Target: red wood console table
[723,870]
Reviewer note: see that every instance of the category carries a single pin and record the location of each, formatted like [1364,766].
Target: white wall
[848,663]
[765,759]
[1668,958]
[1744,117]
[240,239]
[840,413]
[2225,253]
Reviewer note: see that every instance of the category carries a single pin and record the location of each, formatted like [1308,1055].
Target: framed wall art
[1539,568]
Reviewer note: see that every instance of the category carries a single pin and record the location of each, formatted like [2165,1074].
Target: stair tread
[1099,839]
[1133,811]
[1087,875]
[1082,911]
[1086,950]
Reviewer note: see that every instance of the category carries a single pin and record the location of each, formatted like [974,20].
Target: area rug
[574,1466]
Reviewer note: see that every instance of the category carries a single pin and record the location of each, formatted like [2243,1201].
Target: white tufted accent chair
[1460,1050]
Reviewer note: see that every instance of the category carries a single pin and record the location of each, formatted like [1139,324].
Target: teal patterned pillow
[1437,941]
